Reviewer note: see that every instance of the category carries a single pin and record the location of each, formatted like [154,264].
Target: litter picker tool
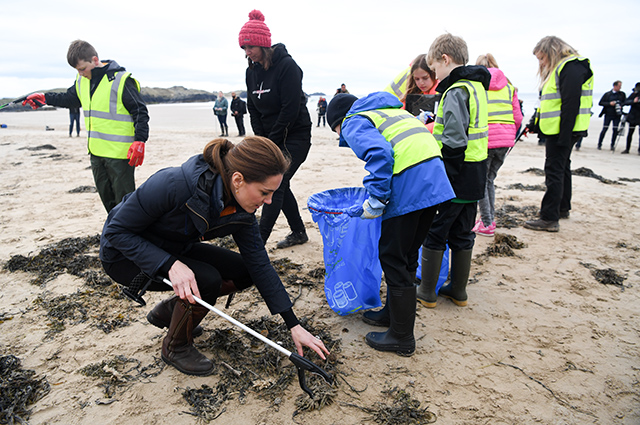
[20,99]
[301,363]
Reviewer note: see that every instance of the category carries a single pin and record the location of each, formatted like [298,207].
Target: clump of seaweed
[586,172]
[68,255]
[121,372]
[402,410]
[19,388]
[533,170]
[503,245]
[606,276]
[509,216]
[225,242]
[84,189]
[520,186]
[205,402]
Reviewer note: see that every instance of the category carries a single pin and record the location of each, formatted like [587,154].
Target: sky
[363,44]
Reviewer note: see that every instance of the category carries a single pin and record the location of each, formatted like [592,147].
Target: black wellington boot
[378,317]
[431,263]
[160,315]
[456,290]
[177,347]
[402,312]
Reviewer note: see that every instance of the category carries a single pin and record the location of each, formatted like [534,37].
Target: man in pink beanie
[278,110]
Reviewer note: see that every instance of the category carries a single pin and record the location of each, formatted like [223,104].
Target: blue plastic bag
[444,268]
[350,249]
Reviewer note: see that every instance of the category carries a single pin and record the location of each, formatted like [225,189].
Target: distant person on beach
[322,111]
[220,110]
[238,109]
[278,110]
[406,183]
[566,84]
[505,118]
[633,117]
[159,231]
[611,103]
[74,117]
[461,129]
[117,127]
[343,88]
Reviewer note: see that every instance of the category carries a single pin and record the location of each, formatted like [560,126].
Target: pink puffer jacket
[503,135]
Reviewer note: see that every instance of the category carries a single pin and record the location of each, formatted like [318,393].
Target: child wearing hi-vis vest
[406,183]
[461,128]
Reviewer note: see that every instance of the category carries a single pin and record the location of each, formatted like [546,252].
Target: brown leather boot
[160,315]
[177,347]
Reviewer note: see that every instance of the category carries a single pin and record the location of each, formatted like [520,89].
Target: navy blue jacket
[176,208]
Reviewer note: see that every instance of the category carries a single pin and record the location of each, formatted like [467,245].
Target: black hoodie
[275,100]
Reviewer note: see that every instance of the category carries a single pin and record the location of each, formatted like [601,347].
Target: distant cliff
[150,95]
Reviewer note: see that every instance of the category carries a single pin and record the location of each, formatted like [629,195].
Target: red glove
[136,154]
[35,100]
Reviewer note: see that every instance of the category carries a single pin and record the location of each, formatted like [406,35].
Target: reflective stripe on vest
[399,85]
[108,123]
[551,103]
[500,105]
[478,132]
[411,141]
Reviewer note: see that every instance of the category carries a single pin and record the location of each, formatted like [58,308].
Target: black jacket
[131,98]
[238,105]
[609,97]
[176,208]
[633,117]
[277,105]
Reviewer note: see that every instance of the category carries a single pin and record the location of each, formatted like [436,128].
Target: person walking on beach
[160,229]
[238,109]
[461,128]
[74,117]
[611,103]
[322,111]
[566,98]
[633,117]
[278,110]
[505,118]
[220,110]
[117,126]
[406,183]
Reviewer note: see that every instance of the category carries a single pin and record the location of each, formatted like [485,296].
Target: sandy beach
[551,334]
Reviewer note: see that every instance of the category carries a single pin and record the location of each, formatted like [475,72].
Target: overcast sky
[364,44]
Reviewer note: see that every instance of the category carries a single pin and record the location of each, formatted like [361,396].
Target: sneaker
[543,225]
[564,214]
[477,226]
[293,238]
[486,230]
[625,151]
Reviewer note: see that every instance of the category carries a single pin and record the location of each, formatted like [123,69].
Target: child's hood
[498,79]
[376,100]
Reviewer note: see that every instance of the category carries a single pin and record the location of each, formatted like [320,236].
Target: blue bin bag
[352,268]
[444,268]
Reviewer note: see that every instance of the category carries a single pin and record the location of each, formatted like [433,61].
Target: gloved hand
[136,154]
[35,100]
[372,208]
[425,117]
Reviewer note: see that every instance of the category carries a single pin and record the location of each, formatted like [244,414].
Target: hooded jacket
[131,98]
[275,100]
[420,186]
[503,135]
[176,208]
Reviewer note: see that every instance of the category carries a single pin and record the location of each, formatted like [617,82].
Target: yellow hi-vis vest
[478,132]
[551,103]
[411,141]
[398,86]
[108,123]
[500,105]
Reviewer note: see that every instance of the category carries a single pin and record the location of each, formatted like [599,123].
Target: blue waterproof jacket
[176,208]
[421,186]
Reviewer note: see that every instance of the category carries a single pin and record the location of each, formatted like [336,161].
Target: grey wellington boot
[431,263]
[456,290]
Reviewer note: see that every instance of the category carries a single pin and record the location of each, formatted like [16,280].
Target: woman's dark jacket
[275,100]
[176,208]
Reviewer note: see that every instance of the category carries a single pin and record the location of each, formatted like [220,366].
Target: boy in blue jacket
[462,130]
[406,183]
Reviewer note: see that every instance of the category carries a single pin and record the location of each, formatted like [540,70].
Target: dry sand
[542,341]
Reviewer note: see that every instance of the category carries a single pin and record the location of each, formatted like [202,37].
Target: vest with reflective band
[478,132]
[108,123]
[399,85]
[500,105]
[411,141]
[551,103]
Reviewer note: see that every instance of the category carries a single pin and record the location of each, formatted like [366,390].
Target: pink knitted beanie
[255,32]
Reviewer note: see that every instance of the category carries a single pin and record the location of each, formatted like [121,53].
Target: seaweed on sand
[120,372]
[402,410]
[19,388]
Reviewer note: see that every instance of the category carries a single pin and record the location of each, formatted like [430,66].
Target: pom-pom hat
[255,32]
